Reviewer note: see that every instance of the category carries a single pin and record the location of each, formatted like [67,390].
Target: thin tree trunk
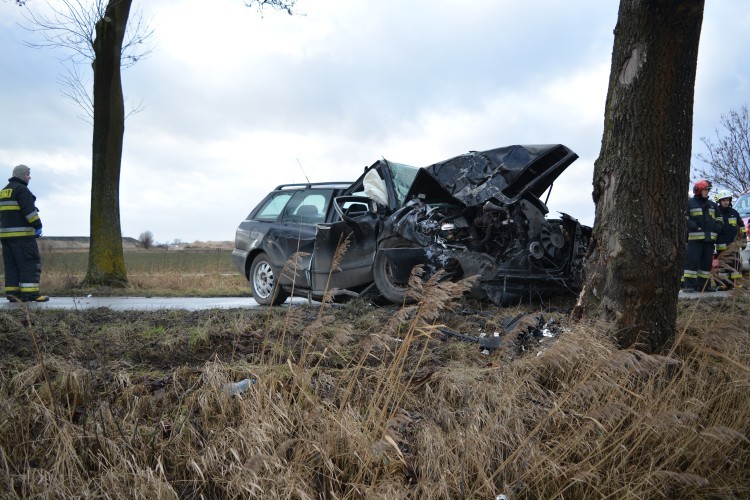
[642,174]
[106,260]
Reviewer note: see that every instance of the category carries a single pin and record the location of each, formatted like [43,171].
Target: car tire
[263,283]
[387,285]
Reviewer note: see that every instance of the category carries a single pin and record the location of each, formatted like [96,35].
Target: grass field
[155,272]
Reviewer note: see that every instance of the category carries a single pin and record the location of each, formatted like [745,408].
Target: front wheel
[388,286]
[263,285]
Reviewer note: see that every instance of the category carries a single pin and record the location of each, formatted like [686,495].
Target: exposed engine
[480,214]
[517,236]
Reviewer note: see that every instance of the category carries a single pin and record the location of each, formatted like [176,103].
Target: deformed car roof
[503,173]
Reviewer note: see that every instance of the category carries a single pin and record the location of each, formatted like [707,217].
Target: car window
[307,207]
[403,176]
[272,208]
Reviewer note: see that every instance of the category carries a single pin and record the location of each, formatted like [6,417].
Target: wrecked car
[477,214]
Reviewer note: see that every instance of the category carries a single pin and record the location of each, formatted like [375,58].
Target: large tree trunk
[106,259]
[642,175]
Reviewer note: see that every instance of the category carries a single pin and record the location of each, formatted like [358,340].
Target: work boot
[709,289]
[688,290]
[37,298]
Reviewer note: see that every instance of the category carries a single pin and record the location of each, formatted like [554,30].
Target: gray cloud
[232,101]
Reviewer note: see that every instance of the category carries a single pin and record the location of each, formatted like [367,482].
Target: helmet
[722,195]
[700,186]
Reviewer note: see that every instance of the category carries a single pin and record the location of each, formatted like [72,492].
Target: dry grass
[198,272]
[366,402]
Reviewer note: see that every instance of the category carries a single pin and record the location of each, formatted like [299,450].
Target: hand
[38,233]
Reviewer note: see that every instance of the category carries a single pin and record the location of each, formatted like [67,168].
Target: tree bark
[106,260]
[642,175]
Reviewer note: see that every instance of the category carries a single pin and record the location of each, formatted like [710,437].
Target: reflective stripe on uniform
[690,274]
[696,235]
[10,232]
[721,246]
[32,217]
[29,287]
[736,275]
[12,289]
[696,211]
[704,274]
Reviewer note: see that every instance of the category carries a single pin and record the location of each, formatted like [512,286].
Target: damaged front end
[479,214]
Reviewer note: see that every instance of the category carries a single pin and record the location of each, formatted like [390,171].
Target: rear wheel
[388,285]
[263,284]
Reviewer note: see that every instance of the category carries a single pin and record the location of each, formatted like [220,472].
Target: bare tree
[72,26]
[146,239]
[96,32]
[642,174]
[286,5]
[729,157]
[106,259]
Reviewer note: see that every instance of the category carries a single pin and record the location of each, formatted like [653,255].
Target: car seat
[307,213]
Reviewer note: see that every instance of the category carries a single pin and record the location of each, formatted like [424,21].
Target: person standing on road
[704,222]
[733,229]
[20,226]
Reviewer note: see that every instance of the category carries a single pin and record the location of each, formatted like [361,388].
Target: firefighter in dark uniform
[703,223]
[732,231]
[20,226]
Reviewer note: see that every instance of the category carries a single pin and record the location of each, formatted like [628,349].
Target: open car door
[345,249]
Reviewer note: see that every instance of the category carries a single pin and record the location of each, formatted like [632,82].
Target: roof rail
[334,184]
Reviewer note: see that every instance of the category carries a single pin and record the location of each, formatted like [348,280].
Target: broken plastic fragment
[238,387]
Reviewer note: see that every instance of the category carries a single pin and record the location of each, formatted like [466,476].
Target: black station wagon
[479,213]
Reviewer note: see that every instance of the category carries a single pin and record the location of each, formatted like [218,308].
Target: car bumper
[239,257]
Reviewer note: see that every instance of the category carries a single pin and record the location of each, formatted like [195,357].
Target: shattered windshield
[403,176]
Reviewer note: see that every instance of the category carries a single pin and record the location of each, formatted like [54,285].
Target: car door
[361,210]
[289,242]
[344,249]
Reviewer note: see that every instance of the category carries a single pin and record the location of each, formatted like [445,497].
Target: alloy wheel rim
[263,279]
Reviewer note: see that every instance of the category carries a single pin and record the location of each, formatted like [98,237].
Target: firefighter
[733,230]
[704,222]
[20,226]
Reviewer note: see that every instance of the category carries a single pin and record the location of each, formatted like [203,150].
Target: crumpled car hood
[504,174]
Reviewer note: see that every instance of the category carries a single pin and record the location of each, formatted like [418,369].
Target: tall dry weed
[382,407]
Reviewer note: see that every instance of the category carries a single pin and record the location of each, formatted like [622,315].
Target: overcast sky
[234,103]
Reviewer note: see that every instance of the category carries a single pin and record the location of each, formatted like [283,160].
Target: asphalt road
[200,303]
[142,303]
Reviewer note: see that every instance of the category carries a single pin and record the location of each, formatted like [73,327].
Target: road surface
[142,303]
[200,303]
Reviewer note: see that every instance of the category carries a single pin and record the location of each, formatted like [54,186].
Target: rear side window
[273,206]
[307,207]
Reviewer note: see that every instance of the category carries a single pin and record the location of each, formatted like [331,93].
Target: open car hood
[504,174]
